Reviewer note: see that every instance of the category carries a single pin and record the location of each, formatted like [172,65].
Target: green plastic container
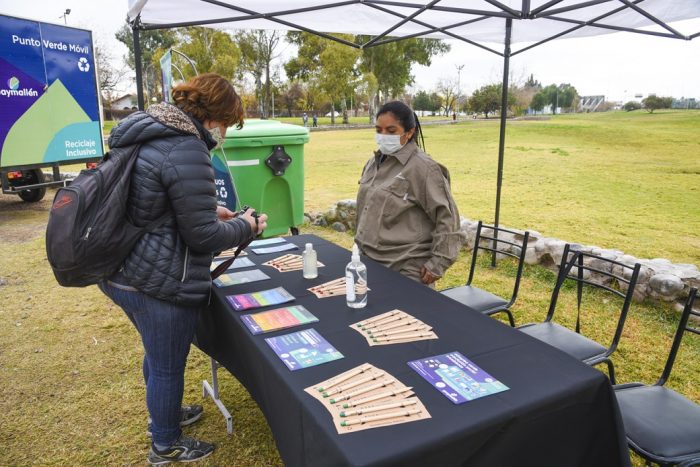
[266,161]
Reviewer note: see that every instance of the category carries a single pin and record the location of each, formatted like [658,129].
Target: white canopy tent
[496,26]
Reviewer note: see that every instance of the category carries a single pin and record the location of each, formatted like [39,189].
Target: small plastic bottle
[310,268]
[356,281]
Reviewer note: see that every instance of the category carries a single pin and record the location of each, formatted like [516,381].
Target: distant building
[126,101]
[685,103]
[591,103]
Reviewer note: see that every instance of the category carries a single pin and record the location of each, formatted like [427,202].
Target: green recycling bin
[266,161]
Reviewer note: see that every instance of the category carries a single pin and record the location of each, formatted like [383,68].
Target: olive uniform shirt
[406,216]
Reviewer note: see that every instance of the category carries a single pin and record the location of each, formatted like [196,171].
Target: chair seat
[660,421]
[574,344]
[476,298]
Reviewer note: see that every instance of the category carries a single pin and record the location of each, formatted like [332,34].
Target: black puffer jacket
[173,174]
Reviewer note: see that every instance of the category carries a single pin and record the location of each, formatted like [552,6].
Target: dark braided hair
[407,117]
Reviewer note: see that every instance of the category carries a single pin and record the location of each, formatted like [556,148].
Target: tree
[447,89]
[533,83]
[151,42]
[333,66]
[559,96]
[422,101]
[292,96]
[391,63]
[305,66]
[257,53]
[652,102]
[338,74]
[487,99]
[110,78]
[632,105]
[539,101]
[211,50]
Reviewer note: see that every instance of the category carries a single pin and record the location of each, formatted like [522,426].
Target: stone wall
[658,278]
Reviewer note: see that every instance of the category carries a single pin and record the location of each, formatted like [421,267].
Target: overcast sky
[615,65]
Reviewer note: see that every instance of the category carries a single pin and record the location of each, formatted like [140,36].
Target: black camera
[245,208]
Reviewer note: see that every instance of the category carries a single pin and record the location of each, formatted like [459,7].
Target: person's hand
[258,226]
[224,214]
[427,277]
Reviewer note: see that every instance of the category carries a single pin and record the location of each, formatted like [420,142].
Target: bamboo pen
[382,323]
[400,337]
[394,325]
[400,331]
[379,317]
[285,259]
[385,320]
[329,283]
[340,379]
[376,418]
[381,395]
[377,408]
[371,387]
[354,384]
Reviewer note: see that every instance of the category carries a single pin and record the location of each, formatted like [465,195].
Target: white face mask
[218,137]
[388,144]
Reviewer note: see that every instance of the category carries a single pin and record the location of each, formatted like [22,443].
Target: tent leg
[138,65]
[502,137]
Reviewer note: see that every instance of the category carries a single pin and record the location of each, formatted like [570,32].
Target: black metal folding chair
[661,425]
[479,299]
[573,342]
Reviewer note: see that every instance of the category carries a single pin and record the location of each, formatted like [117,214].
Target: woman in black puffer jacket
[165,280]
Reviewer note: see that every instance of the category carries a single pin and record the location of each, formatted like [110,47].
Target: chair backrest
[682,327]
[595,264]
[492,243]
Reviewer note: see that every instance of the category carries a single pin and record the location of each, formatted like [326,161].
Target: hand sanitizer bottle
[310,268]
[356,281]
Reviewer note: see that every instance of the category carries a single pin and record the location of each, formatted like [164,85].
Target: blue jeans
[166,331]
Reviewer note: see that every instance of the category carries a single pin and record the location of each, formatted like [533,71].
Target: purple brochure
[457,377]
[268,297]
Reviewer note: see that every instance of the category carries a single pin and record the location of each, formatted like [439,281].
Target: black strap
[221,268]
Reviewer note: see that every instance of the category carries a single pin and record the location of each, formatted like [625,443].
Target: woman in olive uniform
[406,216]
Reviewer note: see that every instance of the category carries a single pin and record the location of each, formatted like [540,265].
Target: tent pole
[138,65]
[502,137]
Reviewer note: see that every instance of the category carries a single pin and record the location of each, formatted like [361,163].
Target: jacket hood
[160,121]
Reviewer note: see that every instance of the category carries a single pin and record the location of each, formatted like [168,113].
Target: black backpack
[89,234]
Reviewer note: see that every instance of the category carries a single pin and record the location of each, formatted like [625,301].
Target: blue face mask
[388,144]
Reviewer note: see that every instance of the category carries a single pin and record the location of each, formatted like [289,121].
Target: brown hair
[210,97]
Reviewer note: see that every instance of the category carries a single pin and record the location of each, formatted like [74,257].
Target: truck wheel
[37,194]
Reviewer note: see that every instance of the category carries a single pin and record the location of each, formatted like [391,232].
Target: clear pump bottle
[310,267]
[356,281]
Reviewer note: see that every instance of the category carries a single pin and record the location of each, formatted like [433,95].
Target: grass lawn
[621,180]
[72,391]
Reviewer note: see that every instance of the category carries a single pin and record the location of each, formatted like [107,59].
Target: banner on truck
[49,110]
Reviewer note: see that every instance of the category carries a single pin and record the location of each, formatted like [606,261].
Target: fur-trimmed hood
[159,121]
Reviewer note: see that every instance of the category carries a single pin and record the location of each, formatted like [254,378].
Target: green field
[629,181]
[72,391]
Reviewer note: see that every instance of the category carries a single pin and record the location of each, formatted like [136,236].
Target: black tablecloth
[558,411]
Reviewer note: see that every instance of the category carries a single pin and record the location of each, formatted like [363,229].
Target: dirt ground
[21,221]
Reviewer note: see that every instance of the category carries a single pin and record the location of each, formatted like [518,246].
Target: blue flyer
[266,242]
[457,377]
[303,349]
[238,263]
[275,249]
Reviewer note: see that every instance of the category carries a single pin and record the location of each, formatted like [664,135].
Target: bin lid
[256,128]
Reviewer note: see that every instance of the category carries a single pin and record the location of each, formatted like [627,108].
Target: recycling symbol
[83,64]
[223,193]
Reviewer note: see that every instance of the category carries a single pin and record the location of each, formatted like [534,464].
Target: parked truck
[50,113]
